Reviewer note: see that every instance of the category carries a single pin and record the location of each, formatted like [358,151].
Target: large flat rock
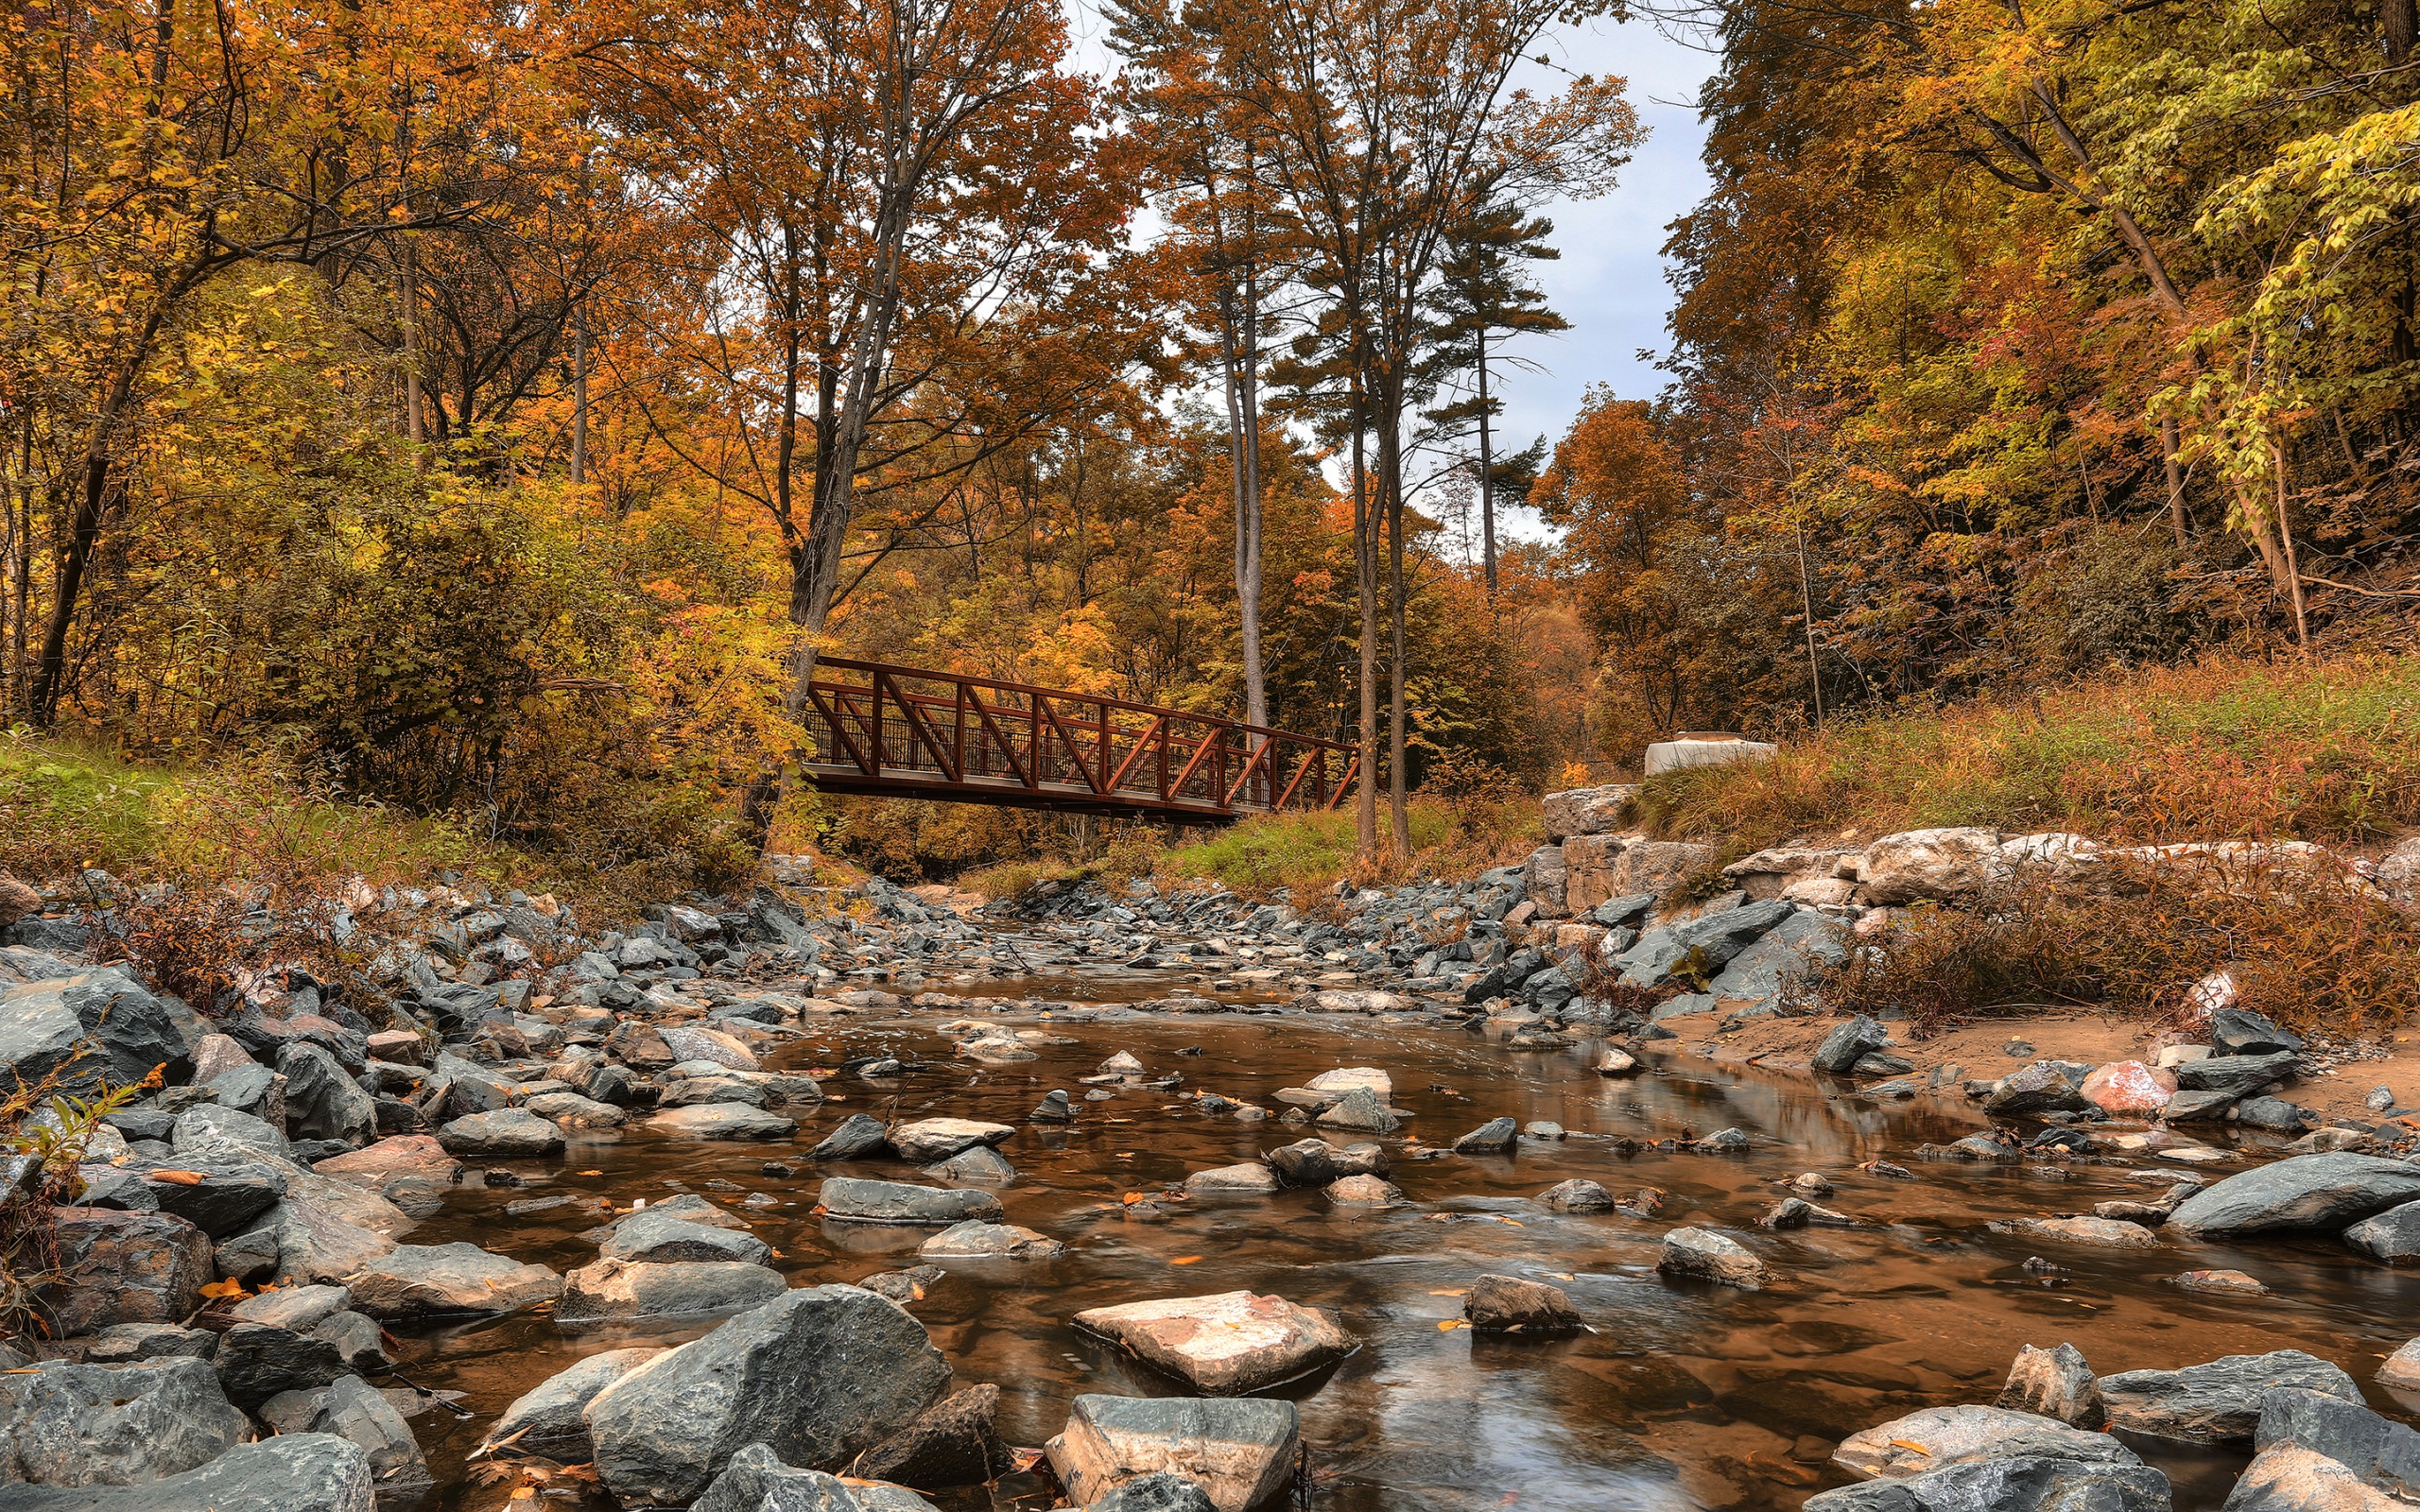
[292,1472]
[938,1139]
[68,1424]
[2302,1192]
[1224,1344]
[1927,1440]
[2217,1403]
[448,1280]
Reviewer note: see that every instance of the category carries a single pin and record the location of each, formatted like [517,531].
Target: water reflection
[1683,1394]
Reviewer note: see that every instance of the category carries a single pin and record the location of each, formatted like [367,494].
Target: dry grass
[2218,750]
[2311,955]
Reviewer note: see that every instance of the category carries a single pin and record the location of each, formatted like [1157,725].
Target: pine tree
[1486,298]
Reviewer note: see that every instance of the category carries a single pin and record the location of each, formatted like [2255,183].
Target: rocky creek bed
[1020,1210]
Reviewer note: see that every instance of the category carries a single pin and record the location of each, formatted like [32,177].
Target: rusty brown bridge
[893,731]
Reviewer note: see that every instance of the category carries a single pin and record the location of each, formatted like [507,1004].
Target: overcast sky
[1609,282]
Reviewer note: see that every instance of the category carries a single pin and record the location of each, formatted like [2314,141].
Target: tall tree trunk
[579,396]
[1248,584]
[1486,474]
[1365,576]
[1391,486]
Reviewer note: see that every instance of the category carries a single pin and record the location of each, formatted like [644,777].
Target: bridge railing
[899,730]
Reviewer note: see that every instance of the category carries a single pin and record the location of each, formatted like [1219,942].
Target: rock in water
[856,1136]
[857,1201]
[1511,1304]
[1927,1440]
[1240,1452]
[817,1375]
[938,1139]
[352,1409]
[2056,1383]
[444,1280]
[71,1424]
[2393,1236]
[550,1419]
[1360,1111]
[2217,1403]
[954,1443]
[1164,1492]
[616,1289]
[989,1240]
[2102,1233]
[2401,1370]
[292,1472]
[2305,1192]
[1497,1136]
[757,1481]
[723,1121]
[1225,1345]
[659,1238]
[1249,1179]
[2021,1484]
[1710,1256]
[1577,1196]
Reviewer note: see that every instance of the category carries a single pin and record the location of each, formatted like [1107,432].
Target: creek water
[1683,1394]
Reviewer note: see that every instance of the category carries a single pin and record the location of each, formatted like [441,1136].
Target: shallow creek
[1684,1395]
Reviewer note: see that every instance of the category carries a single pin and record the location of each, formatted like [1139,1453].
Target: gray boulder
[2044,1086]
[96,1026]
[2393,1236]
[613,1290]
[2243,1032]
[125,1267]
[1497,1136]
[2382,1453]
[1511,1304]
[757,1481]
[2304,1192]
[352,1409]
[2020,1484]
[1166,1491]
[257,1361]
[1927,1439]
[2290,1478]
[2217,1403]
[70,1424]
[861,1201]
[550,1418]
[2239,1075]
[1709,942]
[657,1237]
[322,1102]
[857,1137]
[815,1375]
[292,1472]
[1577,1196]
[956,1442]
[1850,1044]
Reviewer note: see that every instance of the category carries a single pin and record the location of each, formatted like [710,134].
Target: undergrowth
[2215,749]
[44,1130]
[2310,954]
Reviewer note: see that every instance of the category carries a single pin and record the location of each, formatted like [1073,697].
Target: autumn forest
[494,410]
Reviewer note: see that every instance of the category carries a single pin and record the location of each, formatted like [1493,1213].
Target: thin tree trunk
[1399,715]
[2178,521]
[2286,536]
[1365,575]
[580,398]
[1486,474]
[1806,604]
[1248,585]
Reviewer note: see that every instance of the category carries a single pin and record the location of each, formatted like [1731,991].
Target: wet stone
[2217,1403]
[861,1201]
[1577,1196]
[1512,1304]
[856,1136]
[1927,1439]
[2055,1384]
[1223,1345]
[1705,1254]
[1497,1136]
[1240,1452]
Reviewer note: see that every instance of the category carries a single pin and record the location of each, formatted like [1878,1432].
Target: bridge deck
[894,731]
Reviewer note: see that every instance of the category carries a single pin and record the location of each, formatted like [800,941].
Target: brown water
[1683,1396]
